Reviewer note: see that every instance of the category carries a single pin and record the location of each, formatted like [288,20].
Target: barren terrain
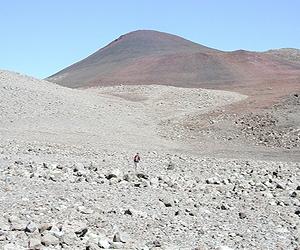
[210,177]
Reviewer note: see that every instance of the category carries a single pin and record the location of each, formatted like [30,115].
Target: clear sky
[41,37]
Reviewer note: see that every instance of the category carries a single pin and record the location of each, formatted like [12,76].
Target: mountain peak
[151,41]
[154,57]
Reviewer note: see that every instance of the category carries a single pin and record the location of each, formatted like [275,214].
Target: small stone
[2,235]
[142,176]
[121,237]
[200,247]
[268,194]
[224,248]
[142,247]
[137,184]
[224,207]
[213,180]
[144,183]
[69,238]
[280,185]
[166,202]
[12,246]
[92,246]
[128,178]
[116,245]
[45,226]
[293,194]
[56,232]
[173,247]
[171,166]
[116,173]
[4,225]
[232,234]
[17,224]
[128,212]
[79,170]
[82,233]
[103,243]
[31,227]
[242,215]
[156,243]
[84,210]
[154,182]
[50,240]
[35,244]
[93,237]
[78,227]
[114,181]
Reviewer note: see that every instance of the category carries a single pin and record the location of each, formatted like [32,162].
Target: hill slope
[32,109]
[151,57]
[288,54]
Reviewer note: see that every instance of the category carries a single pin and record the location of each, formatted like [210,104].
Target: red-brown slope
[104,65]
[151,57]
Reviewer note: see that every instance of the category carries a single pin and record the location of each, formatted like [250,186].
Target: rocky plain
[210,177]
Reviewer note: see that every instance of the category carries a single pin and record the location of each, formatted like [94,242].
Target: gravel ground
[67,180]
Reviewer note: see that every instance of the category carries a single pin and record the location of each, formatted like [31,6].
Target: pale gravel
[43,124]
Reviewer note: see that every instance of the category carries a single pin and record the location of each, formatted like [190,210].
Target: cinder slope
[287,54]
[32,109]
[151,57]
[117,62]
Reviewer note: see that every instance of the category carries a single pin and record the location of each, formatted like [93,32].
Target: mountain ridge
[153,57]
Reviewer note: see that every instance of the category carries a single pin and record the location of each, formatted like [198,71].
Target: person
[136,160]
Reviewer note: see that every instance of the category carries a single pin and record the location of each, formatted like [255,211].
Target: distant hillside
[152,57]
[288,54]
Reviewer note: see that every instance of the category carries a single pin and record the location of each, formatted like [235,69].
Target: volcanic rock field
[67,178]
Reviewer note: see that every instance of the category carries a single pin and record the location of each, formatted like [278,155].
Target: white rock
[35,244]
[117,245]
[70,238]
[31,227]
[43,227]
[84,210]
[213,180]
[12,246]
[115,173]
[224,248]
[49,239]
[121,237]
[4,225]
[154,182]
[77,227]
[104,243]
[17,224]
[56,232]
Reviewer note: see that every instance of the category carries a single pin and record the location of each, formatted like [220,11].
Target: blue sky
[39,38]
